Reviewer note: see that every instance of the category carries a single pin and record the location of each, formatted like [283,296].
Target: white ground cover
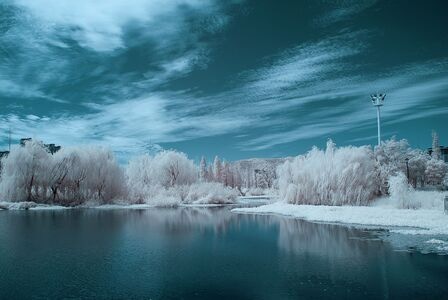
[28,205]
[149,206]
[440,245]
[428,219]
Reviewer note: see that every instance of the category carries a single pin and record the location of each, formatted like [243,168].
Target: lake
[204,253]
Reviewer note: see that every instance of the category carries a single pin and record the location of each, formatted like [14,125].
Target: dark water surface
[203,253]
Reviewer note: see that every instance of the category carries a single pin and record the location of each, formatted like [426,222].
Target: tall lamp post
[378,101]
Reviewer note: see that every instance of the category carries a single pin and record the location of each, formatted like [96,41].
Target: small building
[443,152]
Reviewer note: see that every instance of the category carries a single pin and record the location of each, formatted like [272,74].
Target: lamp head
[378,99]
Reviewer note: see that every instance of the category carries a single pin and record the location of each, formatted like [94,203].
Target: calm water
[203,254]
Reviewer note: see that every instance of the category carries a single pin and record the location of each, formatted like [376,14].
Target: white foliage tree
[336,176]
[390,157]
[140,178]
[255,175]
[76,186]
[203,170]
[69,177]
[217,169]
[417,167]
[174,168]
[210,175]
[23,172]
[58,171]
[150,177]
[436,152]
[105,178]
[436,170]
[225,173]
[445,180]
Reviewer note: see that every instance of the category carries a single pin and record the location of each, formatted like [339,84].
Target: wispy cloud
[322,74]
[100,25]
[47,42]
[342,10]
[126,126]
[48,45]
[317,74]
[311,90]
[11,89]
[408,95]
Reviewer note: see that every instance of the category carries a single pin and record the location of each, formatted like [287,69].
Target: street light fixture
[378,101]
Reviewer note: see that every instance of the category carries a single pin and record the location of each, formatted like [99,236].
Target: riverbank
[28,205]
[38,206]
[250,201]
[430,221]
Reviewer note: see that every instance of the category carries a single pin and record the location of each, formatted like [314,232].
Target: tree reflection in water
[203,253]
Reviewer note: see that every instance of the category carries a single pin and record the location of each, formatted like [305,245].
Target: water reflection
[203,253]
[326,240]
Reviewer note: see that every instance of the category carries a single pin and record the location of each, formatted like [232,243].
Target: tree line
[334,176]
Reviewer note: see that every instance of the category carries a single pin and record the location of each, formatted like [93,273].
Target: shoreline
[405,221]
[423,221]
[14,206]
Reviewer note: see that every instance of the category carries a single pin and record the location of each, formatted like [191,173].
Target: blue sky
[234,78]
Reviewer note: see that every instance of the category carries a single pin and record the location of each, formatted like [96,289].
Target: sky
[234,78]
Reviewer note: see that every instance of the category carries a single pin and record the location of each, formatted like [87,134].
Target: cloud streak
[114,62]
[315,74]
[100,25]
